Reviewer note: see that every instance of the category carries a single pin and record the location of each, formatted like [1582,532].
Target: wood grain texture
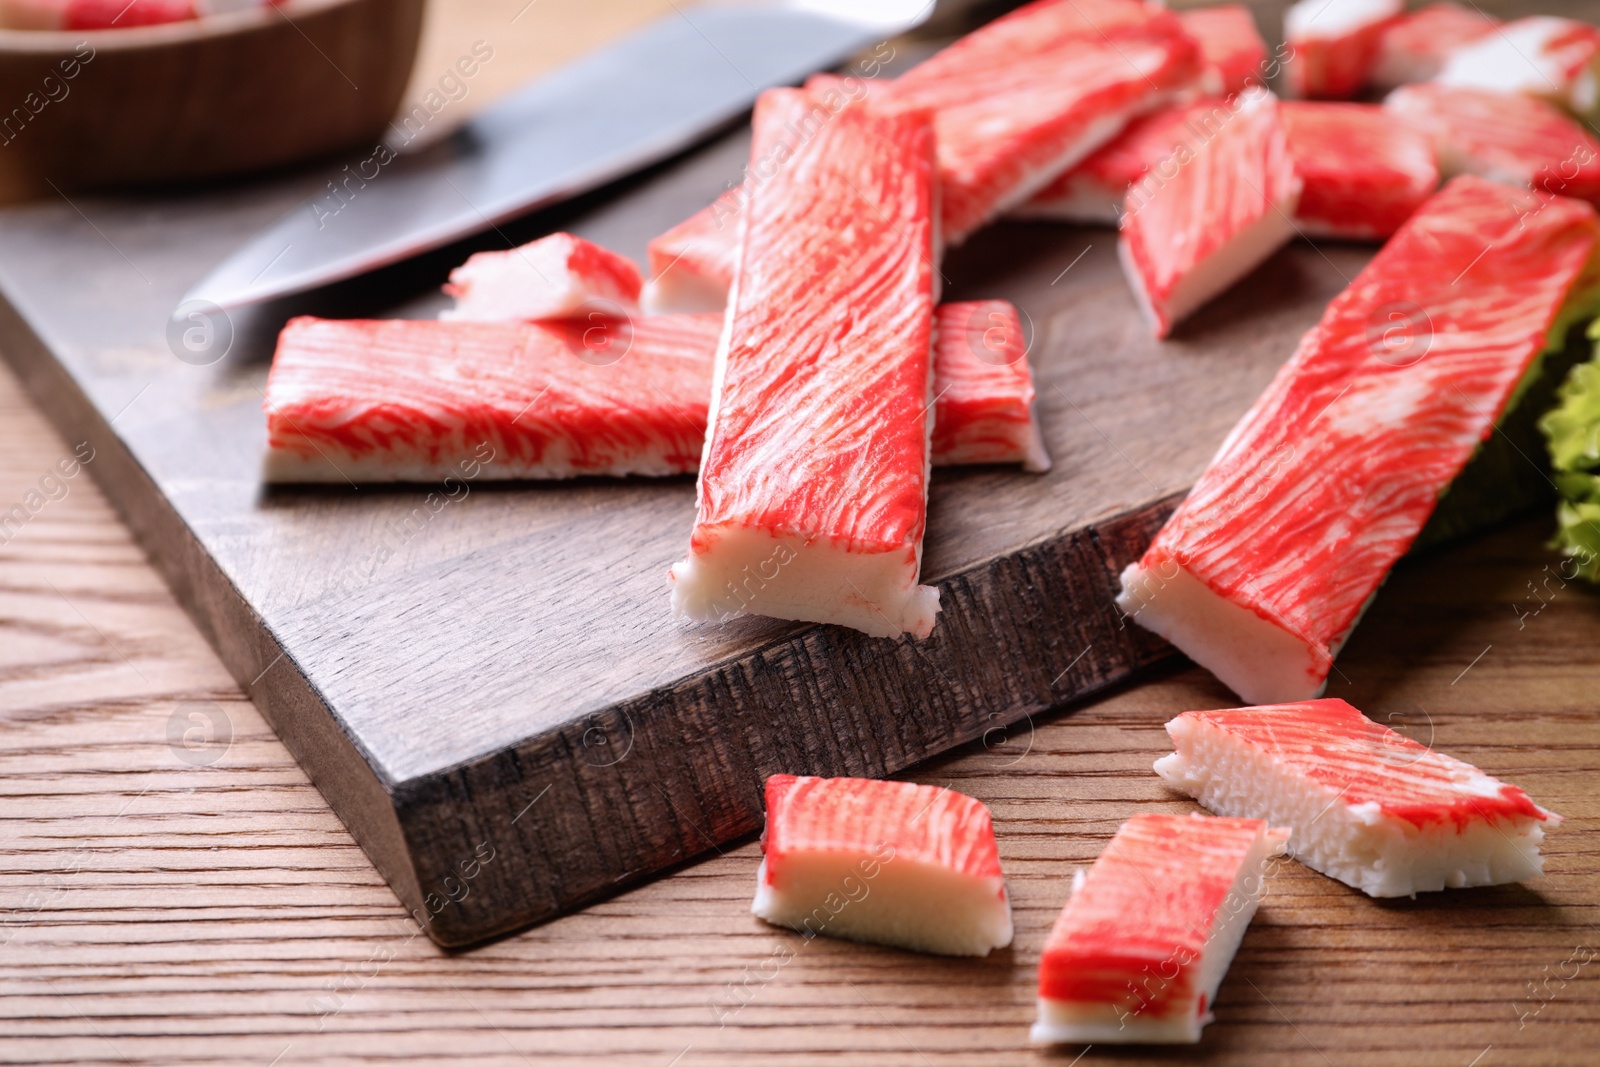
[157,910]
[194,100]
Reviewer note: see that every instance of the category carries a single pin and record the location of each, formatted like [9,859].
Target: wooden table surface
[173,890]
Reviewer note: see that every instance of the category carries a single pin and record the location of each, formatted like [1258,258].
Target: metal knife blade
[620,108]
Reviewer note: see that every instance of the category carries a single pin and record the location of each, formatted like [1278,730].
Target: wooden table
[173,890]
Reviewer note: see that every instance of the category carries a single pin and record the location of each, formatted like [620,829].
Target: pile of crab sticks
[789,346]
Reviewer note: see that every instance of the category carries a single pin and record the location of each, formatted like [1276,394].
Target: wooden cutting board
[499,670]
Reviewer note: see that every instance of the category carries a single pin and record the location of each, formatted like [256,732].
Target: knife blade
[629,104]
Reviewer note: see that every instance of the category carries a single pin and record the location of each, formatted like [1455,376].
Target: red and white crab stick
[1505,137]
[1334,45]
[1365,170]
[1556,59]
[1193,228]
[1231,48]
[891,863]
[1141,947]
[1366,805]
[816,460]
[1263,571]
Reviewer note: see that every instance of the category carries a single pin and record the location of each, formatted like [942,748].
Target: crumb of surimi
[1556,59]
[1223,204]
[1416,46]
[1266,567]
[1365,805]
[891,863]
[1334,45]
[1142,945]
[555,277]
[814,480]
[1365,169]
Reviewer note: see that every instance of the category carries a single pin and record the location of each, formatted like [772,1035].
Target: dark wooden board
[504,672]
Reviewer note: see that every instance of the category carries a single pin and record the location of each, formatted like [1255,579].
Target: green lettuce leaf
[1572,432]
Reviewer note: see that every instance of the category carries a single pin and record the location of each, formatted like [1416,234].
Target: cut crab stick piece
[420,401]
[1334,45]
[890,863]
[1009,122]
[1137,954]
[555,277]
[692,264]
[1555,59]
[1505,137]
[1226,207]
[815,472]
[1367,806]
[1231,48]
[1263,571]
[983,388]
[1416,47]
[1095,190]
[1365,171]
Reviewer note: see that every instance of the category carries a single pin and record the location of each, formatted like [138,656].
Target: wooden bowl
[201,99]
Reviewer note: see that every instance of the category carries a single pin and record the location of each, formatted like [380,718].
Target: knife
[632,103]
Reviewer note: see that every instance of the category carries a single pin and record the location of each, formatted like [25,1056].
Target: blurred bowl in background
[186,101]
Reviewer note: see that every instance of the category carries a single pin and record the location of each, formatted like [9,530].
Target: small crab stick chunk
[984,409]
[1505,137]
[1263,571]
[891,863]
[1095,190]
[1365,171]
[1366,805]
[1231,48]
[1416,46]
[1555,59]
[1334,45]
[692,264]
[1192,228]
[555,277]
[1137,954]
[815,472]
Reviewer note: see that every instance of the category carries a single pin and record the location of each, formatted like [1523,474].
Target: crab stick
[983,388]
[555,277]
[1505,137]
[1094,192]
[1263,571]
[1415,47]
[419,401]
[1231,48]
[1334,45]
[1137,954]
[891,863]
[815,472]
[1366,805]
[1192,229]
[1555,59]
[1365,171]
